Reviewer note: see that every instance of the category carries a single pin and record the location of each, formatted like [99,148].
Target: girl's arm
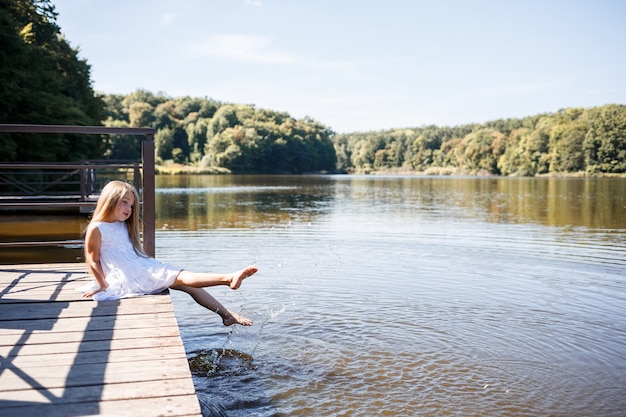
[92,258]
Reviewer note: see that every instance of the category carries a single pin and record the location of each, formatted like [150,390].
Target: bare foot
[239,276]
[233,318]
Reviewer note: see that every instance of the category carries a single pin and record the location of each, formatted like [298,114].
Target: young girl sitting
[115,257]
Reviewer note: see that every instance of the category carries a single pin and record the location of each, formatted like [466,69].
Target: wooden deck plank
[149,320]
[175,406]
[94,346]
[111,392]
[62,355]
[122,356]
[83,375]
[83,308]
[43,337]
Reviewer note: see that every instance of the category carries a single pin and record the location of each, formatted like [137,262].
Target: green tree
[448,155]
[188,105]
[140,114]
[534,157]
[43,81]
[605,141]
[122,147]
[114,109]
[424,147]
[196,138]
[244,139]
[164,143]
[510,161]
[165,115]
[477,151]
[566,138]
[224,117]
[223,149]
[144,96]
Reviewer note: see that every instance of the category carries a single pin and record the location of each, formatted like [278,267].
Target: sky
[360,65]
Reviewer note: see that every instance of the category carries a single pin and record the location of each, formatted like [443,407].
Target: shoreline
[181,169]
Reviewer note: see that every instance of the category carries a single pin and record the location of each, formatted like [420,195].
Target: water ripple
[388,303]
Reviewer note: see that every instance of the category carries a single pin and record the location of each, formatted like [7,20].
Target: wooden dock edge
[62,355]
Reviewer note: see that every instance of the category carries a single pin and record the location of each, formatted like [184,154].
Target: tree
[477,151]
[114,108]
[223,150]
[164,143]
[605,141]
[244,139]
[566,138]
[225,117]
[42,81]
[424,146]
[141,114]
[122,147]
[196,138]
[534,153]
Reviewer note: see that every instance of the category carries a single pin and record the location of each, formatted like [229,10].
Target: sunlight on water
[406,296]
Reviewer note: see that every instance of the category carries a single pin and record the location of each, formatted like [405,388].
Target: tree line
[209,134]
[243,139]
[572,140]
[43,81]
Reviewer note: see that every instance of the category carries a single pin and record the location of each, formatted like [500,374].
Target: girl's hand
[92,293]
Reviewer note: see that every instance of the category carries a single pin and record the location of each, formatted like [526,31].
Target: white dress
[127,273]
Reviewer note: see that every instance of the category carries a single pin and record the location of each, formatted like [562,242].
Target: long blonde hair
[110,196]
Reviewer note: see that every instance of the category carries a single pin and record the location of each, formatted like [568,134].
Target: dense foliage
[42,81]
[243,139]
[237,138]
[573,140]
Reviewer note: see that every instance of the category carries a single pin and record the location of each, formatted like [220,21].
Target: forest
[44,81]
[220,137]
[570,141]
[243,139]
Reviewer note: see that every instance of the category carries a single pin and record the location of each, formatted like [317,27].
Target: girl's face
[124,208]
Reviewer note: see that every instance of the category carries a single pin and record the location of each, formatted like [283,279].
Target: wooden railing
[86,185]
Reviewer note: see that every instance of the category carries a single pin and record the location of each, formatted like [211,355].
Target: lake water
[404,296]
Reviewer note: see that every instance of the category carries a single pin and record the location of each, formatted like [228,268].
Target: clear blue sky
[359,65]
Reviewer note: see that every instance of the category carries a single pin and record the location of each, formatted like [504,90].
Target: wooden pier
[63,356]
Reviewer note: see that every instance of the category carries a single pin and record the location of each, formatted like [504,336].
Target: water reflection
[200,202]
[593,203]
[40,227]
[209,202]
[248,201]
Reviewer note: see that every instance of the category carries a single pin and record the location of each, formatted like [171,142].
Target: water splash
[219,362]
[274,314]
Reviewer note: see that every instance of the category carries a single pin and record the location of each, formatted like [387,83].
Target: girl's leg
[208,301]
[202,279]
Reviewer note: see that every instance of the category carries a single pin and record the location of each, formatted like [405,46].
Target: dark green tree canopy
[43,81]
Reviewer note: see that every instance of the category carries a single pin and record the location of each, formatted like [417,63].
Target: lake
[404,295]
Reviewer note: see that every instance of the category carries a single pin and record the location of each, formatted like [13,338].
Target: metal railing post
[148,207]
[83,183]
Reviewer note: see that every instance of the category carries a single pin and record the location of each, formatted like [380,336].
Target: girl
[115,257]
